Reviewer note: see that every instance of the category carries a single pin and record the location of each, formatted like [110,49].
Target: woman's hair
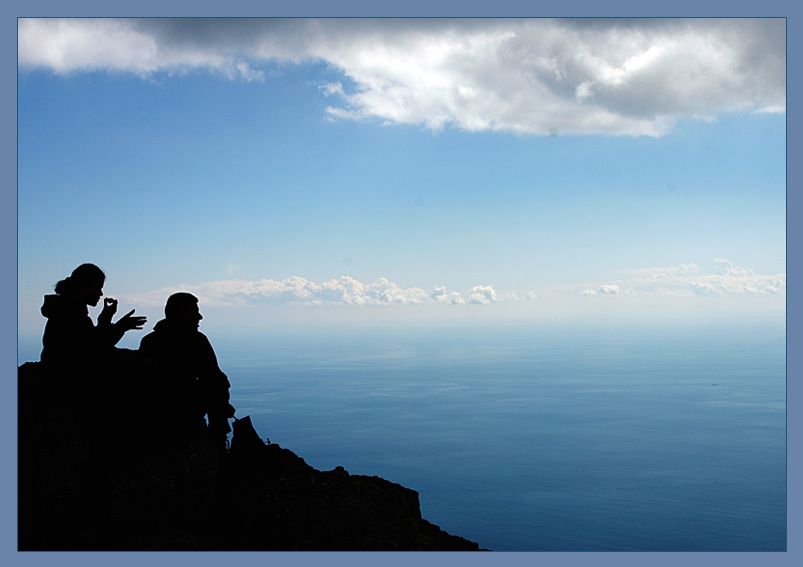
[82,275]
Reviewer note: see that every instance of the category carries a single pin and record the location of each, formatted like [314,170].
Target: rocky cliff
[94,485]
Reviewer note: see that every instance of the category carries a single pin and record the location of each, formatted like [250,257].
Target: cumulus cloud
[482,294]
[725,267]
[300,291]
[440,295]
[686,279]
[609,289]
[525,76]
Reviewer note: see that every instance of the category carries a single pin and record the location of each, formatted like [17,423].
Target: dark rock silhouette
[83,489]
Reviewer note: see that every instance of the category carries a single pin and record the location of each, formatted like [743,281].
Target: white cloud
[482,294]
[666,282]
[609,289]
[686,279]
[345,291]
[527,76]
[440,295]
[726,268]
[297,290]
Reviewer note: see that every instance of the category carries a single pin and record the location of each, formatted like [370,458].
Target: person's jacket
[191,380]
[70,337]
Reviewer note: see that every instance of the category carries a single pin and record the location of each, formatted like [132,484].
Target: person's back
[70,337]
[192,384]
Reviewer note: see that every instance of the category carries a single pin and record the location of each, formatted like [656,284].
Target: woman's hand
[127,322]
[109,309]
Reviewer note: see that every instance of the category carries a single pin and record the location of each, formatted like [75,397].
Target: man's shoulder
[160,334]
[149,341]
[201,338]
[171,334]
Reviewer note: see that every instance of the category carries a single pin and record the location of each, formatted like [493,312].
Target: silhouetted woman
[71,338]
[84,394]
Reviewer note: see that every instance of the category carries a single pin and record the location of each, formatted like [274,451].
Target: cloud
[440,295]
[727,280]
[609,289]
[300,291]
[525,76]
[684,280]
[726,268]
[345,291]
[482,294]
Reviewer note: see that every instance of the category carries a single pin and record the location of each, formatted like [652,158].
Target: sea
[530,439]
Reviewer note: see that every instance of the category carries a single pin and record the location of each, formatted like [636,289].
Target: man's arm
[214,383]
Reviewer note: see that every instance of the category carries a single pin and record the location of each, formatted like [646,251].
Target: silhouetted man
[193,384]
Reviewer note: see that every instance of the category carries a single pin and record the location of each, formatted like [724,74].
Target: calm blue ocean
[526,440]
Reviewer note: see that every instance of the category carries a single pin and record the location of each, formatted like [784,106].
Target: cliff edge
[100,487]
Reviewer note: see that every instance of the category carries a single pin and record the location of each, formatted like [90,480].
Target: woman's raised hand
[109,309]
[128,322]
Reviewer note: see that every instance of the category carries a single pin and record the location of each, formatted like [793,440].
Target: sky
[303,173]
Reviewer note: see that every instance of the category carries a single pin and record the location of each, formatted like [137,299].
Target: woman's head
[85,283]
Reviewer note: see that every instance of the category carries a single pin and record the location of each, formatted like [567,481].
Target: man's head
[182,307]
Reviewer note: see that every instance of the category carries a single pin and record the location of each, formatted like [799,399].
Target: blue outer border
[513,8]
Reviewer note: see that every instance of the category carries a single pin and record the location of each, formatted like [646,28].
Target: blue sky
[351,171]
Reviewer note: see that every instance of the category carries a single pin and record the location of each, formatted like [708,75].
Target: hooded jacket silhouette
[71,338]
[191,383]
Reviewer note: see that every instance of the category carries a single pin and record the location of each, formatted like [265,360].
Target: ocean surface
[527,440]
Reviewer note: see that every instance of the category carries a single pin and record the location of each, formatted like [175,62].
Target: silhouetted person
[87,389]
[192,384]
[71,340]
